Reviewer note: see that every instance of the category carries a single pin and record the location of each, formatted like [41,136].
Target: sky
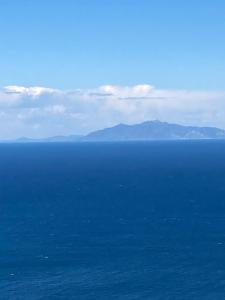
[73,66]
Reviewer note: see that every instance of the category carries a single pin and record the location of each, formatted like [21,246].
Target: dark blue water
[112,221]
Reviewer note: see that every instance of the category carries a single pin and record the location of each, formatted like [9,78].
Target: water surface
[112,221]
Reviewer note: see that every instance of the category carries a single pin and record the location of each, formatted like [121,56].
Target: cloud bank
[40,112]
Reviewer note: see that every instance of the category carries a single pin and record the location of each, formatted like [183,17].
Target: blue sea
[112,221]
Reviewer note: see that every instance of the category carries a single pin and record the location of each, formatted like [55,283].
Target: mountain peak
[154,130]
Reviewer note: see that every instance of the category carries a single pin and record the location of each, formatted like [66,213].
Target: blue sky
[87,43]
[73,66]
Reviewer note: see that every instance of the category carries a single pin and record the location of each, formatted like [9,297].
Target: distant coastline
[146,131]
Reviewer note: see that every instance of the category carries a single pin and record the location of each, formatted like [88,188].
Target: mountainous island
[150,130]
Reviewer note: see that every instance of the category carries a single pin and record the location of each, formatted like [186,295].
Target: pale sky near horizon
[72,66]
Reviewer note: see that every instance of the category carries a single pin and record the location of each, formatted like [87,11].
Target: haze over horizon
[73,67]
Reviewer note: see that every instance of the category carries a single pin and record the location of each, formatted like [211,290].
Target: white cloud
[41,111]
[55,109]
[28,91]
[142,90]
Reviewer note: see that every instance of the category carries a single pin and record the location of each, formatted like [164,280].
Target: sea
[112,221]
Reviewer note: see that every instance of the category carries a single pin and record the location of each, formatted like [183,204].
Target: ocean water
[112,221]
